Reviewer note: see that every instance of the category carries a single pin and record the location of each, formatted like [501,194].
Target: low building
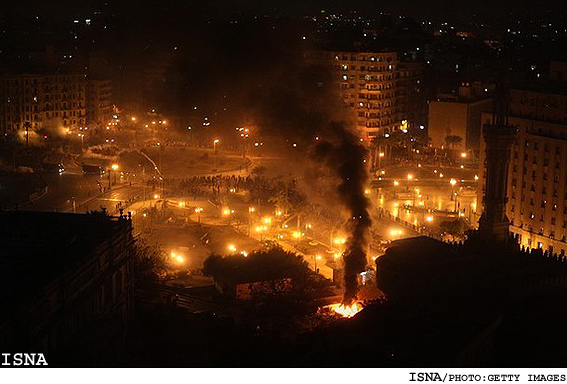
[249,288]
[459,115]
[66,286]
[475,302]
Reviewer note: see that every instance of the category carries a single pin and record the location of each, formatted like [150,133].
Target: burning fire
[346,310]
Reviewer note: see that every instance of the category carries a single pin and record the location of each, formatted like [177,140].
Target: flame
[346,310]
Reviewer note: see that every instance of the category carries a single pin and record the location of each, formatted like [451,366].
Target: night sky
[432,8]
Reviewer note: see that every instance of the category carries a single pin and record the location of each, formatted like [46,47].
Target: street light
[315,258]
[113,167]
[260,229]
[453,182]
[380,156]
[396,233]
[82,136]
[215,142]
[198,211]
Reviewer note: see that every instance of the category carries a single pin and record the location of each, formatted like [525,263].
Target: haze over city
[283,184]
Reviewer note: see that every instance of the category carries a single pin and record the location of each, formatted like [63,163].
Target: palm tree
[282,201]
[379,143]
[453,140]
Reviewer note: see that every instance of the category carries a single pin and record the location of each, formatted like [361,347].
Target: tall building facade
[99,101]
[65,100]
[537,173]
[43,101]
[376,88]
[21,101]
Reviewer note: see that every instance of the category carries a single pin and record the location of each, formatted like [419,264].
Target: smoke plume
[346,156]
[293,105]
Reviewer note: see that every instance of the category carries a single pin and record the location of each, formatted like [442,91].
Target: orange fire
[346,311]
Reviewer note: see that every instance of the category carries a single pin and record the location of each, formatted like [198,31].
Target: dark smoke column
[346,155]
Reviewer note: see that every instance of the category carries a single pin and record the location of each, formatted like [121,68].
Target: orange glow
[346,311]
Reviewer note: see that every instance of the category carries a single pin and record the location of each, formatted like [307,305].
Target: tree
[453,141]
[269,265]
[453,228]
[282,200]
[258,171]
[148,263]
[379,144]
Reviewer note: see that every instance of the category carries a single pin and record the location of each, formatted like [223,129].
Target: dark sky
[429,8]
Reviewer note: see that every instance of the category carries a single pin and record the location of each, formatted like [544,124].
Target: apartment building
[375,87]
[99,101]
[55,100]
[537,174]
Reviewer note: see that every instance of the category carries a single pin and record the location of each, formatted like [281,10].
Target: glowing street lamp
[317,258]
[339,240]
[198,211]
[260,229]
[215,142]
[453,194]
[396,233]
[81,135]
[177,258]
[113,167]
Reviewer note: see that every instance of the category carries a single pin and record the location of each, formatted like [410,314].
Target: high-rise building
[56,100]
[99,101]
[537,174]
[21,101]
[65,100]
[378,89]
